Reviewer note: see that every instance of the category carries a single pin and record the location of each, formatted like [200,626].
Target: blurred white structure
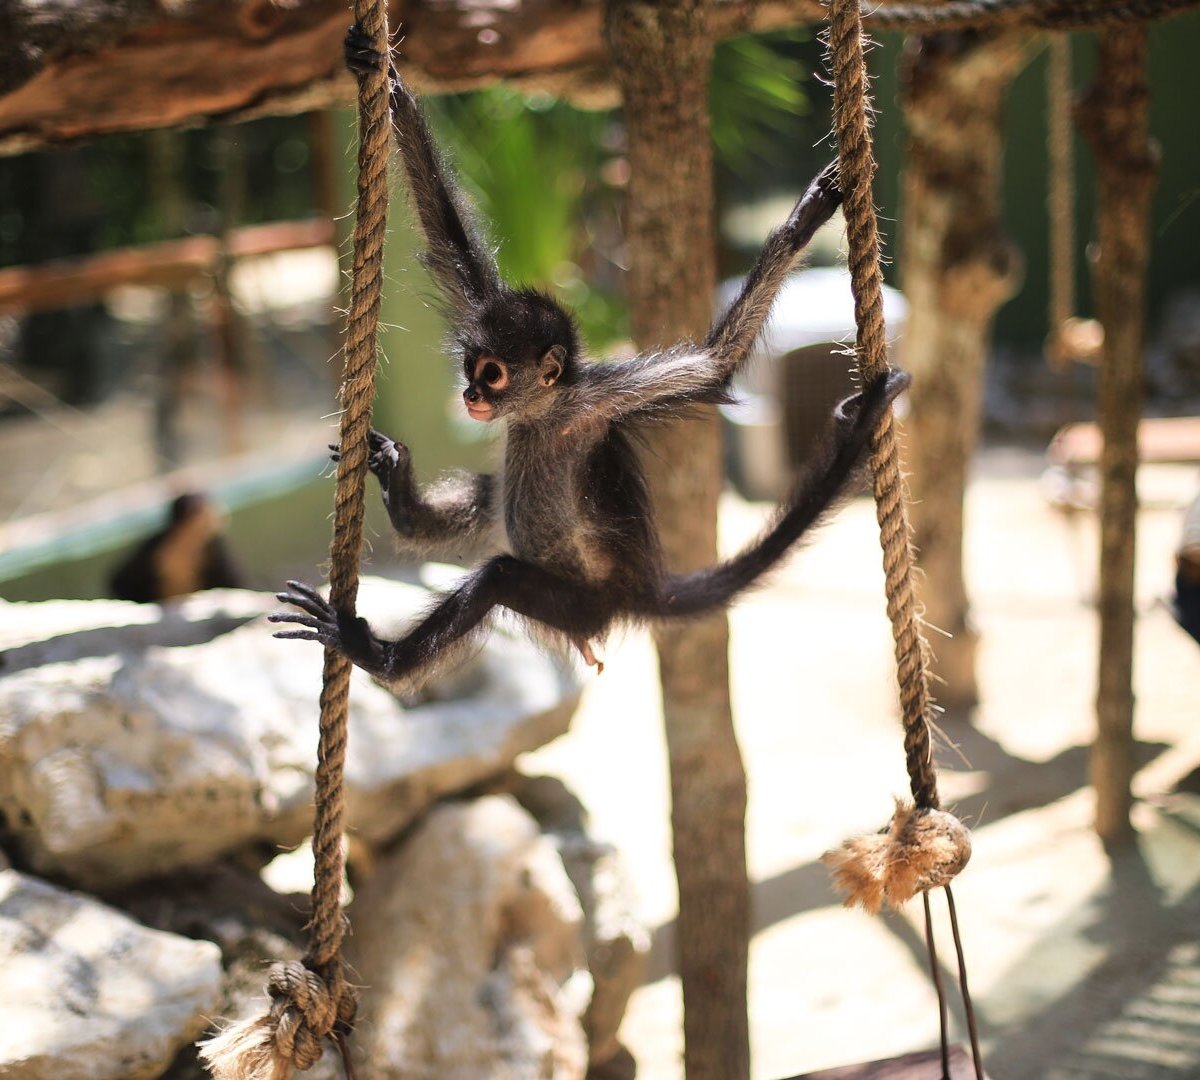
[799,371]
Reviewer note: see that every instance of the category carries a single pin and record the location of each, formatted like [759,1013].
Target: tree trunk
[958,268]
[662,54]
[1115,120]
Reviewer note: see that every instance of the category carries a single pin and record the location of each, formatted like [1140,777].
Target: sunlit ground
[1077,973]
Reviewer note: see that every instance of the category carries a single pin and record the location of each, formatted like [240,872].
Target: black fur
[570,516]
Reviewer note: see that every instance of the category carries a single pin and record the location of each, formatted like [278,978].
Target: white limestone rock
[88,994]
[616,941]
[119,766]
[469,936]
[54,630]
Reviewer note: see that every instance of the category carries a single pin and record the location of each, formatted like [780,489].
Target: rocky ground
[155,762]
[1082,969]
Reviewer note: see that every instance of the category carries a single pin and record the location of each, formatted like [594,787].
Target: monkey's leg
[577,611]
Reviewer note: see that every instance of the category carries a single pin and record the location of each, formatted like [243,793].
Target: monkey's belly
[573,551]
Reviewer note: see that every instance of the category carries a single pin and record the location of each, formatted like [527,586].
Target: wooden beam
[171,263]
[76,69]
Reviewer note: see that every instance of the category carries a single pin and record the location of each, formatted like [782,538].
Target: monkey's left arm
[456,516]
[733,334]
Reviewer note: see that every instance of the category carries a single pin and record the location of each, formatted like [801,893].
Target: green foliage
[756,98]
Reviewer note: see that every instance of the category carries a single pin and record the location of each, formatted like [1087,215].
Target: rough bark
[662,54]
[173,264]
[75,69]
[1115,119]
[958,268]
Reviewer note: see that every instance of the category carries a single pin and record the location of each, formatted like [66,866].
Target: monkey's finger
[317,608]
[314,622]
[301,589]
[297,635]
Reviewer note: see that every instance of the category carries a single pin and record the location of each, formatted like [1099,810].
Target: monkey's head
[516,354]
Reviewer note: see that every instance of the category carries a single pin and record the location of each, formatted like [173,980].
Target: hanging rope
[923,847]
[1036,14]
[857,168]
[311,1001]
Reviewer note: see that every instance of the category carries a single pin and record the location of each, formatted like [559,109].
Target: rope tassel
[304,1012]
[921,849]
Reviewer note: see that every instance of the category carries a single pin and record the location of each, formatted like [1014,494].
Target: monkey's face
[497,387]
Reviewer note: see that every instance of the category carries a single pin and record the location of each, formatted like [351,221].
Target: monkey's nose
[472,396]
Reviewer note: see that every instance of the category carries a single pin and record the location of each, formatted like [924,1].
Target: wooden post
[1115,119]
[662,53]
[958,268]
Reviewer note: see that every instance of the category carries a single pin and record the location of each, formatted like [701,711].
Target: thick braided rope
[856,168]
[311,1000]
[1039,14]
[357,393]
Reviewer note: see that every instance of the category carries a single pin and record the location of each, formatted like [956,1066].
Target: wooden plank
[923,1065]
[1173,439]
[171,263]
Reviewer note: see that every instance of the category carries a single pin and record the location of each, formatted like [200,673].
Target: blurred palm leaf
[756,98]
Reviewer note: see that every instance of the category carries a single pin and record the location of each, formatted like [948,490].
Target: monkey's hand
[388,460]
[361,58]
[342,631]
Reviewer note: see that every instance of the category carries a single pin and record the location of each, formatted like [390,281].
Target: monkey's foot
[585,650]
[341,631]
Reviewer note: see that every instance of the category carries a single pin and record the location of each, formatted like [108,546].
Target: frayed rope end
[921,850]
[245,1051]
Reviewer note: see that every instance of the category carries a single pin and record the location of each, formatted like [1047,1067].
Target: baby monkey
[582,551]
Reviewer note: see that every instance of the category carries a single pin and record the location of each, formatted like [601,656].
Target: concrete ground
[1081,968]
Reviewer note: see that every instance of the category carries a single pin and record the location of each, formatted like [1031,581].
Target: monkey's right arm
[455,255]
[456,515]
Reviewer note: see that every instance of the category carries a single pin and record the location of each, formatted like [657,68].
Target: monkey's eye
[493,373]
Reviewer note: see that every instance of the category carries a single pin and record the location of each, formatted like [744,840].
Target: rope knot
[304,1010]
[307,1007]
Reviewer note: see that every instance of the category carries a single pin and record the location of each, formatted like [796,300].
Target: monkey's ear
[551,366]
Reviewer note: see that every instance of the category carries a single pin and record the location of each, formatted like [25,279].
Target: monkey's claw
[344,632]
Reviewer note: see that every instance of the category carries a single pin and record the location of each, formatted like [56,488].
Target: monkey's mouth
[482,411]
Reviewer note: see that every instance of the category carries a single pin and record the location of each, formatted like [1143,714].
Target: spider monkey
[187,555]
[584,552]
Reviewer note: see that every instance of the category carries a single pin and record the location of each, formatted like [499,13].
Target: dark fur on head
[519,326]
